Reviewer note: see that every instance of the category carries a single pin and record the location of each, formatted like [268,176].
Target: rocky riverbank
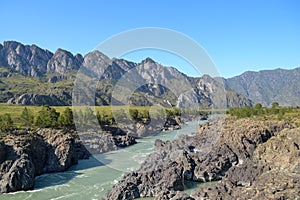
[151,126]
[247,158]
[26,154]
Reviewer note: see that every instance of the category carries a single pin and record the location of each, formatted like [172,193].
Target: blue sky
[238,35]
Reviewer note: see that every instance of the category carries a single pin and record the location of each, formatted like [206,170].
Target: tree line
[48,117]
[259,110]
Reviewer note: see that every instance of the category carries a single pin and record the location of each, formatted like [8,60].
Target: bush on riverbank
[291,114]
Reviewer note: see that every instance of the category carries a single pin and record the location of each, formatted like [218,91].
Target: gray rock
[173,195]
[36,99]
[124,64]
[268,174]
[2,58]
[29,60]
[60,151]
[203,157]
[63,61]
[25,155]
[19,177]
[2,151]
[147,77]
[268,86]
[108,140]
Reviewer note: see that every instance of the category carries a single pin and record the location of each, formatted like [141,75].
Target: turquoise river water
[90,179]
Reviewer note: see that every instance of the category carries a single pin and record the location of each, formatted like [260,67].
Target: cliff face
[29,60]
[25,156]
[271,173]
[239,154]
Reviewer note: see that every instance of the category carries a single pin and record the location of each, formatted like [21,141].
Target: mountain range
[267,86]
[30,75]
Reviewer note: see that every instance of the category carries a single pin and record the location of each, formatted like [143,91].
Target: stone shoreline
[248,158]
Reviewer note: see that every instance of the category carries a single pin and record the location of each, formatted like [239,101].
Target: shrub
[104,119]
[6,122]
[27,118]
[134,114]
[66,119]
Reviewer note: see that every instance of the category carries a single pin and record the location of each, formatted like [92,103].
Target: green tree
[275,108]
[47,118]
[258,106]
[169,113]
[134,114]
[105,119]
[275,105]
[27,118]
[66,118]
[6,123]
[258,109]
[177,111]
[143,114]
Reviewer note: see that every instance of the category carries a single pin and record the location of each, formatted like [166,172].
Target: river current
[90,179]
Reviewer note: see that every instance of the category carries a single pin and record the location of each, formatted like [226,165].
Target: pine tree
[6,123]
[27,118]
[47,118]
[66,118]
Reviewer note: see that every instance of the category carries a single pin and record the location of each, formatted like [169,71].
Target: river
[90,179]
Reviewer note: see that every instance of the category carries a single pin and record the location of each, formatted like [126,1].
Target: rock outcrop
[104,141]
[37,99]
[210,155]
[271,173]
[29,60]
[151,126]
[63,61]
[25,155]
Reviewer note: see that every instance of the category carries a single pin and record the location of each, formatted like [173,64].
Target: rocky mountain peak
[268,86]
[29,60]
[124,64]
[11,44]
[96,59]
[79,57]
[63,60]
[148,60]
[161,83]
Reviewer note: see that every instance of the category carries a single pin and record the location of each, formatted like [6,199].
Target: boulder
[19,177]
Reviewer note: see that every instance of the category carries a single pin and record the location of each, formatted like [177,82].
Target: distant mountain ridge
[33,61]
[267,86]
[31,75]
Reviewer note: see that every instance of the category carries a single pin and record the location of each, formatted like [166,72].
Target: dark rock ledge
[24,155]
[238,154]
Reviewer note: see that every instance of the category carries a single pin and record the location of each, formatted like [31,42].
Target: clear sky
[238,35]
